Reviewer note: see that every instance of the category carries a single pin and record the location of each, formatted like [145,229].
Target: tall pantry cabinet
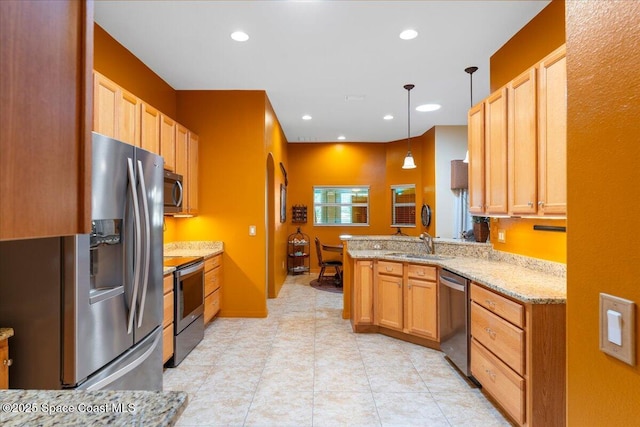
[45,118]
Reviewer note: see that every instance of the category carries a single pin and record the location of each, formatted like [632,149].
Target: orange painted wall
[337,164]
[544,33]
[428,172]
[603,253]
[118,64]
[232,183]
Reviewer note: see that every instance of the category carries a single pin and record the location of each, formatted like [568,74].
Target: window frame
[394,205]
[333,204]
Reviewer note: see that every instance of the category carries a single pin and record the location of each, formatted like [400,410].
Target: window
[341,205]
[403,205]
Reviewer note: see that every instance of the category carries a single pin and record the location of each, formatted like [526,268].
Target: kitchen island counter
[94,408]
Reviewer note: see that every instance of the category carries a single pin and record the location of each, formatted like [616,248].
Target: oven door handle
[451,284]
[191,269]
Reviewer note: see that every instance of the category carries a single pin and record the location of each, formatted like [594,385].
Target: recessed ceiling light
[388,117]
[408,34]
[428,107]
[342,137]
[240,36]
[306,117]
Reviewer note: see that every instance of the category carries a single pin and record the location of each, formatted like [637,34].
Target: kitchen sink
[425,257]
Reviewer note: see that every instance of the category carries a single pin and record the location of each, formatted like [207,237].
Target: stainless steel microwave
[173,192]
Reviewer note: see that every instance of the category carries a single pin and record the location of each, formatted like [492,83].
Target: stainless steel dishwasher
[454,319]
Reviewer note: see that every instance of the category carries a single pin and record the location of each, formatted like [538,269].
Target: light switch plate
[626,351]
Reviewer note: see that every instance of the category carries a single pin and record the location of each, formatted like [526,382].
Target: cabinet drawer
[168,309]
[167,343]
[167,283]
[422,272]
[212,280]
[213,262]
[393,268]
[503,307]
[502,383]
[502,338]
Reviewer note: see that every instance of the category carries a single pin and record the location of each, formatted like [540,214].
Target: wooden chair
[337,264]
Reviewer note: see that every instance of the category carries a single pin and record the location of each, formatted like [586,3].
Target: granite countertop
[205,249]
[521,283]
[94,408]
[5,333]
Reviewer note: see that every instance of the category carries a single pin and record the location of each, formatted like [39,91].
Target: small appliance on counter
[188,291]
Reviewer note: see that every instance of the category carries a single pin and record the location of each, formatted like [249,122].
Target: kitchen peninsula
[515,314]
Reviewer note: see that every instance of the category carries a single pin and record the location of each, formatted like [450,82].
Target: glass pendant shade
[408,162]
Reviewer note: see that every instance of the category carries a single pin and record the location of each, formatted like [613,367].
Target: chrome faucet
[428,242]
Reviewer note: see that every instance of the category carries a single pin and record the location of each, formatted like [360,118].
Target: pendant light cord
[408,88]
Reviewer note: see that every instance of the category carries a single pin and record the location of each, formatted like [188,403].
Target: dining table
[333,248]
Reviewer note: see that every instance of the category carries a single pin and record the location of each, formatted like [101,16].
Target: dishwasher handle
[451,284]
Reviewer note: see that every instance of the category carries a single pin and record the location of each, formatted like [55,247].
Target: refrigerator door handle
[136,265]
[147,243]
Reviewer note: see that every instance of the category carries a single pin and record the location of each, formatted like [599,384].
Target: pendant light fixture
[470,70]
[408,161]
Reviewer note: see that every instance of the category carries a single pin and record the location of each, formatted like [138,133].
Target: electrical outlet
[502,236]
[252,230]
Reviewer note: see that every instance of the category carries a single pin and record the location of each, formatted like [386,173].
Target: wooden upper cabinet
[45,118]
[192,191]
[476,159]
[106,96]
[496,152]
[129,119]
[552,142]
[523,144]
[150,129]
[168,142]
[182,161]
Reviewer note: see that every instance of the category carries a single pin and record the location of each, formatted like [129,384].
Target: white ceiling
[310,55]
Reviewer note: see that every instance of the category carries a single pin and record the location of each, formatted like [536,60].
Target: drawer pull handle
[7,362]
[490,304]
[491,374]
[491,332]
[389,268]
[421,273]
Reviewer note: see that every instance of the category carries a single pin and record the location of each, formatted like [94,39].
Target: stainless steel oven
[188,289]
[454,319]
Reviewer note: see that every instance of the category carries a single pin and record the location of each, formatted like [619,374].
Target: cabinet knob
[530,204]
[7,362]
[541,203]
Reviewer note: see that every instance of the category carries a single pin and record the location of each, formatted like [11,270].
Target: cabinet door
[476,159]
[182,160]
[363,293]
[45,118]
[523,144]
[129,119]
[422,308]
[106,97]
[192,192]
[552,143]
[496,152]
[150,129]
[389,296]
[168,142]
[4,368]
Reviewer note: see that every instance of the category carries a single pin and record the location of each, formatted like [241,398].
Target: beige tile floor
[303,366]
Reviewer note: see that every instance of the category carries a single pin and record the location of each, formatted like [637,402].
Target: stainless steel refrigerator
[95,306]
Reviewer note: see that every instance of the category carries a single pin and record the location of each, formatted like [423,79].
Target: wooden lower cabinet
[212,286]
[363,293]
[167,323]
[518,355]
[422,301]
[390,295]
[4,364]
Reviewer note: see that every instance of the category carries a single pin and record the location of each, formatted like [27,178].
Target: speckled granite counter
[205,249]
[5,333]
[525,279]
[90,408]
